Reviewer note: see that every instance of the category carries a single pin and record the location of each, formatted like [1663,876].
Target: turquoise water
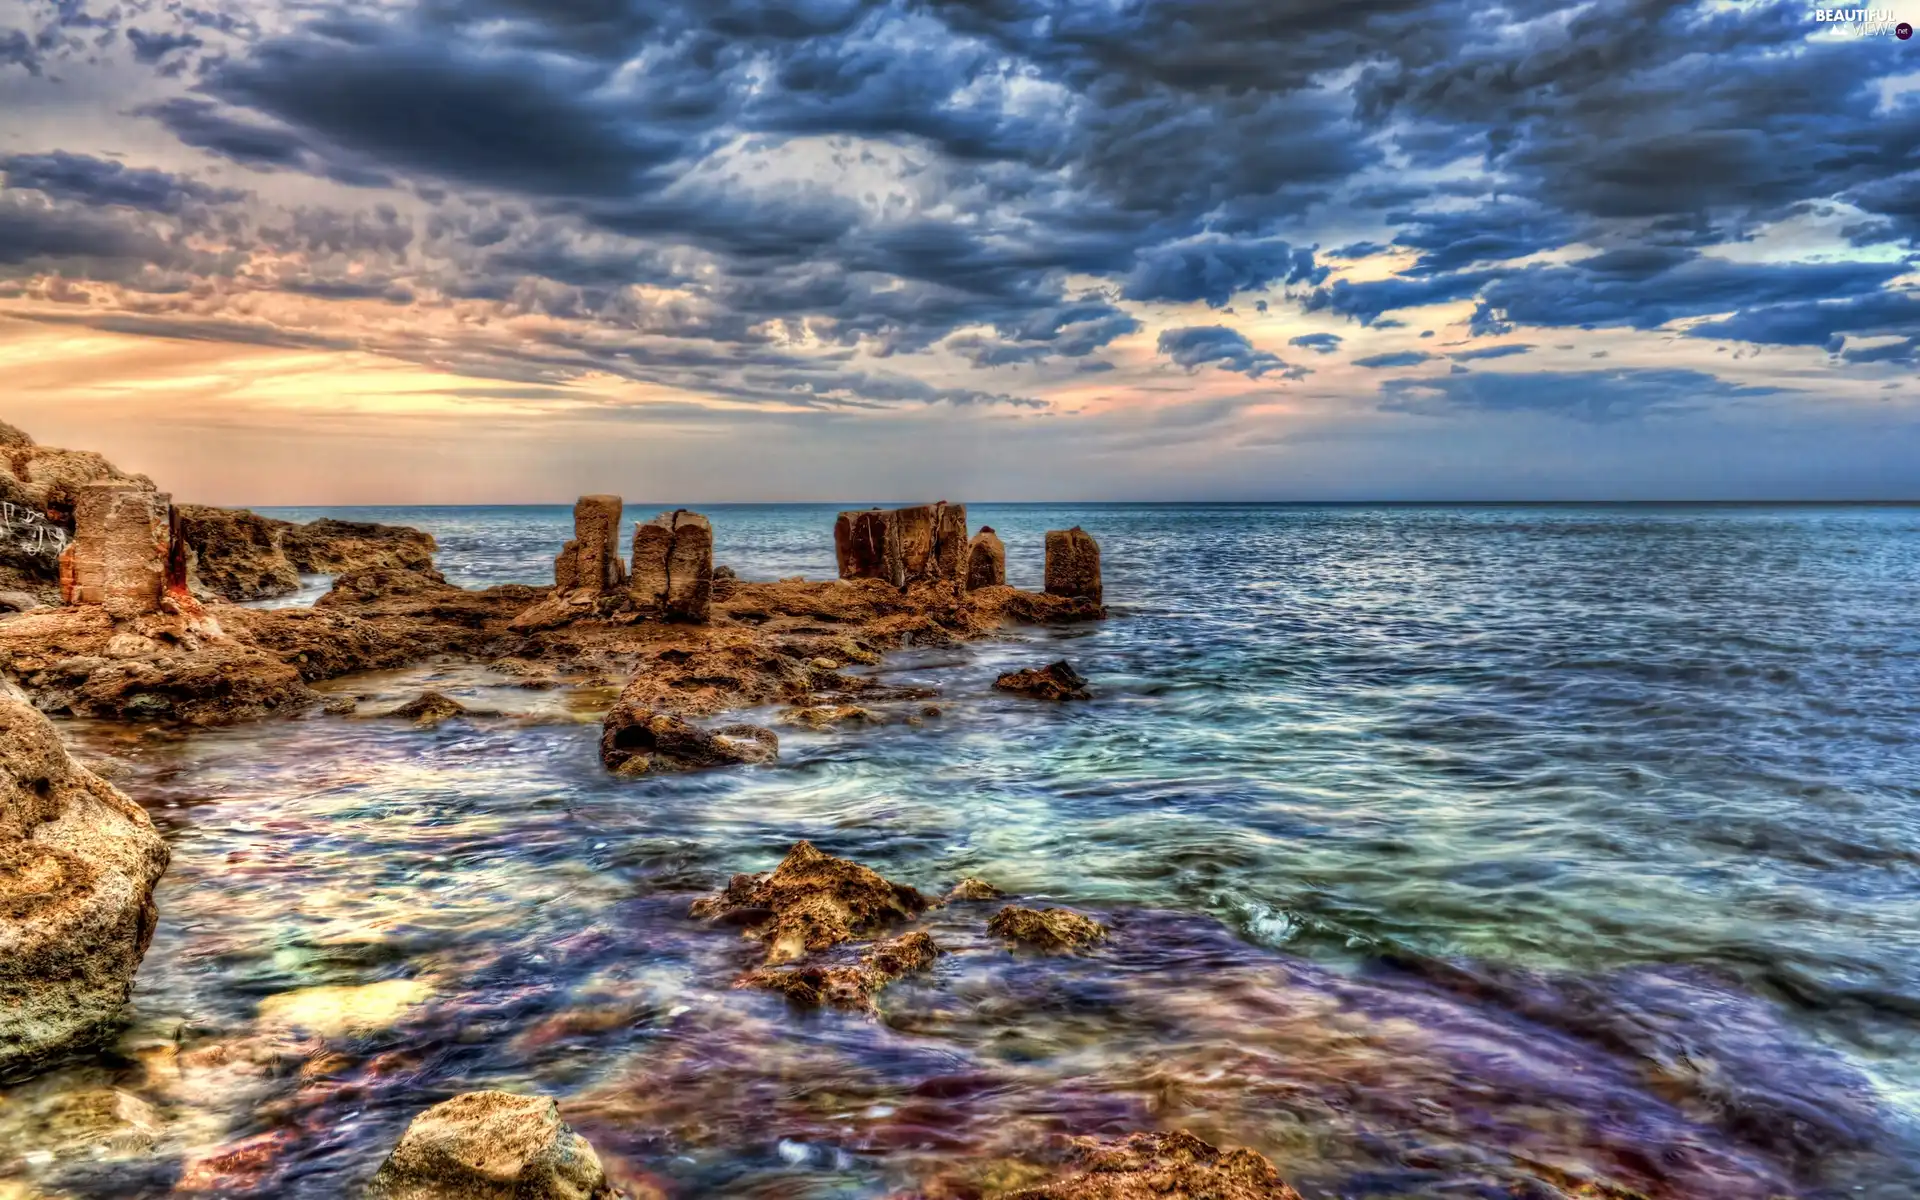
[1449,852]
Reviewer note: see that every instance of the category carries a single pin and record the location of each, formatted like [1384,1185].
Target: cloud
[1197,346]
[1399,358]
[1597,397]
[1319,343]
[1213,271]
[1485,352]
[99,181]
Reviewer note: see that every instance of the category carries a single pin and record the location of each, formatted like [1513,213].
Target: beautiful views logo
[1864,22]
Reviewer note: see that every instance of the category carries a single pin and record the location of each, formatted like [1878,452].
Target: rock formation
[672,575]
[30,548]
[47,479]
[903,545]
[849,986]
[812,901]
[597,564]
[78,864]
[1057,682]
[1162,1166]
[237,555]
[638,741]
[330,547]
[1046,929]
[492,1146]
[126,555]
[986,560]
[1073,564]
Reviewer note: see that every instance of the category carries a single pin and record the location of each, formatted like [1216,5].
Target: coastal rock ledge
[492,1146]
[78,863]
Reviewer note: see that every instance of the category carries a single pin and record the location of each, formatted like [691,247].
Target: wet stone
[1046,929]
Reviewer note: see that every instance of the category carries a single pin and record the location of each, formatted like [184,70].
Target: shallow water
[1448,852]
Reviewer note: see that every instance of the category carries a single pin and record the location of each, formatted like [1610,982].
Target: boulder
[812,901]
[237,555]
[78,864]
[1073,564]
[1057,682]
[1046,929]
[491,1146]
[903,545]
[430,708]
[1161,1166]
[855,986]
[986,560]
[635,740]
[672,574]
[972,889]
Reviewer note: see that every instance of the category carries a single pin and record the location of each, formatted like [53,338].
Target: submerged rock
[973,889]
[492,1146]
[1163,1166]
[829,716]
[635,741]
[430,708]
[78,864]
[1046,929]
[1057,682]
[854,986]
[812,901]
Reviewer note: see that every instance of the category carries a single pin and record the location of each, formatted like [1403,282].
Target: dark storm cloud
[1215,270]
[151,47]
[1492,232]
[1820,323]
[97,181]
[1592,292]
[1216,345]
[1595,396]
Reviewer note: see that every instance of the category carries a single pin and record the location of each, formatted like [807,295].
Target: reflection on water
[1558,852]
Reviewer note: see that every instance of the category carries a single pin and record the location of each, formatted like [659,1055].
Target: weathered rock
[986,560]
[1162,1166]
[636,741]
[365,586]
[566,568]
[810,902]
[1073,564]
[430,708]
[52,479]
[330,547]
[972,889]
[123,549]
[78,864]
[237,555]
[491,1146]
[903,545]
[829,716]
[672,574]
[1056,682]
[598,566]
[1047,929]
[852,986]
[19,602]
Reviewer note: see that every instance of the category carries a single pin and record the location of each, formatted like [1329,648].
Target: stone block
[672,574]
[986,560]
[1073,564]
[124,549]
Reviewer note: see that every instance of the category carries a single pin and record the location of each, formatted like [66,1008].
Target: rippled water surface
[1448,852]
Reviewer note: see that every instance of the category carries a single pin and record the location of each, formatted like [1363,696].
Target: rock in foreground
[636,741]
[812,901]
[1046,929]
[492,1146]
[1057,682]
[1163,1166]
[78,863]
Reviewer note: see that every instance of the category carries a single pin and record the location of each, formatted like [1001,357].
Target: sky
[494,251]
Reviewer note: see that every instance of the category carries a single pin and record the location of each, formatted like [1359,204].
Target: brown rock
[78,863]
[330,547]
[1073,564]
[903,545]
[672,573]
[1057,682]
[810,902]
[123,538]
[851,987]
[1049,929]
[596,529]
[566,568]
[30,548]
[636,740]
[1163,1166]
[237,555]
[430,708]
[972,889]
[371,584]
[986,560]
[862,543]
[491,1146]
[828,716]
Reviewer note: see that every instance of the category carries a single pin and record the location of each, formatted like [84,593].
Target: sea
[1506,851]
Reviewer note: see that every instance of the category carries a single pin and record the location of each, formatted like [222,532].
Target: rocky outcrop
[811,902]
[639,741]
[852,986]
[330,547]
[672,576]
[986,560]
[492,1146]
[1046,929]
[48,480]
[30,548]
[237,555]
[1057,682]
[126,555]
[1073,565]
[589,576]
[78,864]
[430,708]
[901,546]
[1162,1166]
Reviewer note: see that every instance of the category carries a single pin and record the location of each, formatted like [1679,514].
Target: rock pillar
[903,545]
[598,565]
[123,551]
[1073,564]
[673,566]
[986,560]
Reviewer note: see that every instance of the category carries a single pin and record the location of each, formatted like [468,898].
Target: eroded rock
[330,547]
[1056,682]
[430,708]
[637,741]
[124,555]
[78,864]
[851,986]
[1073,565]
[811,902]
[986,560]
[237,555]
[901,546]
[1162,1166]
[492,1146]
[672,575]
[1046,929]
[973,889]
